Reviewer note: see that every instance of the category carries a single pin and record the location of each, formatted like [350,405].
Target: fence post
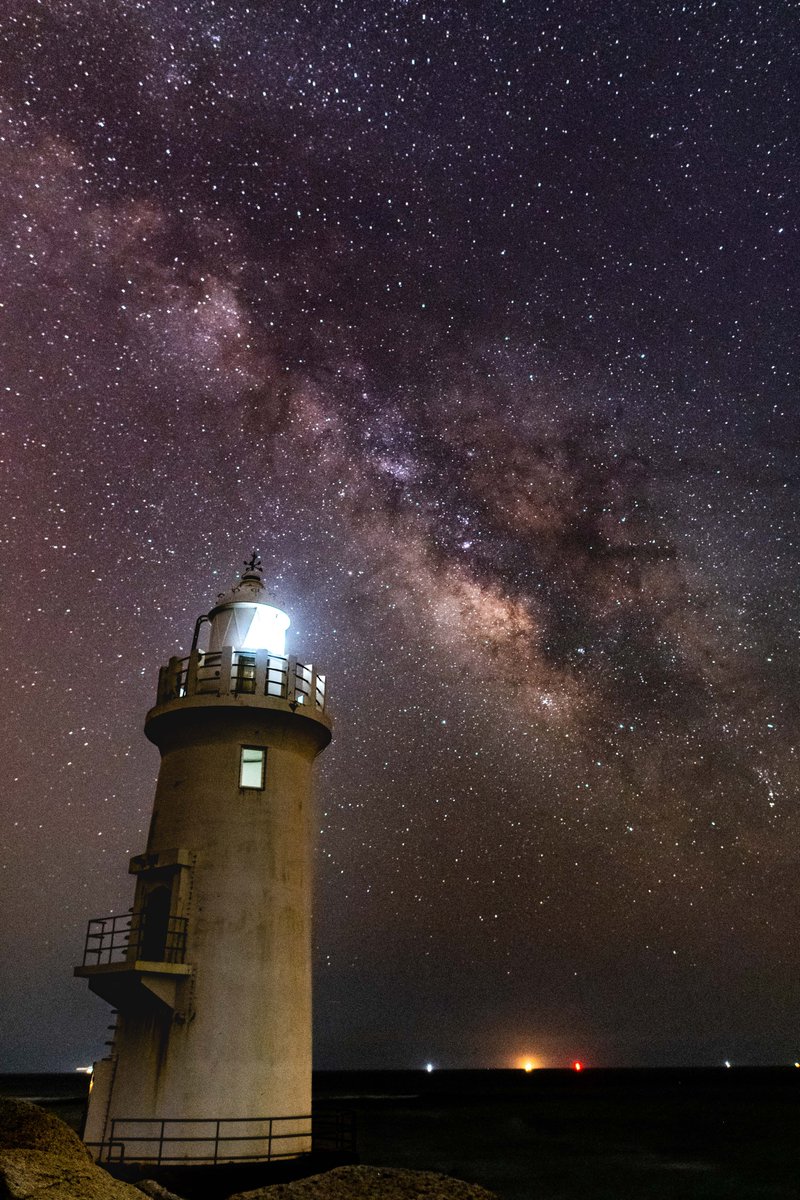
[86,944]
[191,672]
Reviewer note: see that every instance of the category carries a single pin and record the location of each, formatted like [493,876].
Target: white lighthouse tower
[210,972]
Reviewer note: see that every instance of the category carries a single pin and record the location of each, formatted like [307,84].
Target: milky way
[479,322]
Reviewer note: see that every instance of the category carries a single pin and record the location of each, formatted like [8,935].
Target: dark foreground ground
[556,1135]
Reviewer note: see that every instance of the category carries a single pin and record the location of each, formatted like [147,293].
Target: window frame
[262,751]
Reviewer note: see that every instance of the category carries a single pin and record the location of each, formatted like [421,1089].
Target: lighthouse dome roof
[249,589]
[246,617]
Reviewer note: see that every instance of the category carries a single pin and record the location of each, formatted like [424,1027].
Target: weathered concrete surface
[42,1159]
[371,1183]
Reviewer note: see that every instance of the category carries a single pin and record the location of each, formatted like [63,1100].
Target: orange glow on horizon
[527,1063]
[577,1066]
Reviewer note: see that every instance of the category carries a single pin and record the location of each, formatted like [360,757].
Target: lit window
[251,769]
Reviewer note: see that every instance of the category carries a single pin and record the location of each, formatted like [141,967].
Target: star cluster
[479,321]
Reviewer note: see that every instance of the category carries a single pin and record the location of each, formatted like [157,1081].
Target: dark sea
[710,1134]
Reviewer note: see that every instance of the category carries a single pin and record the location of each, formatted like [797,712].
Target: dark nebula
[479,321]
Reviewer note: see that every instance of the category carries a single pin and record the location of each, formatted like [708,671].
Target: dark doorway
[155,925]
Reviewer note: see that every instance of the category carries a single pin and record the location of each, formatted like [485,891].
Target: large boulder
[42,1159]
[371,1183]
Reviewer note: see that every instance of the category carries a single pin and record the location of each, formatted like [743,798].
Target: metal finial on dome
[253,567]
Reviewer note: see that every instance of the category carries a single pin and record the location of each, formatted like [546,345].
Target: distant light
[577,1066]
[84,1070]
[527,1063]
[797,1064]
[727,1063]
[429,1067]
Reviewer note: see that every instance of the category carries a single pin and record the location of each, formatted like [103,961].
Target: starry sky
[477,320]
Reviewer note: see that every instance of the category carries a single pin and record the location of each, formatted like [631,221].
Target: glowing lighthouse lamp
[210,973]
[244,620]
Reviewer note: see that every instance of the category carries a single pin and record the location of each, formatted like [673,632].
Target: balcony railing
[230,672]
[131,937]
[225,1139]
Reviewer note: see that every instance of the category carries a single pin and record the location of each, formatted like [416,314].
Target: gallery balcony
[135,963]
[229,672]
[240,680]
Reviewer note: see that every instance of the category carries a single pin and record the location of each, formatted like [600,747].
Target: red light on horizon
[577,1066]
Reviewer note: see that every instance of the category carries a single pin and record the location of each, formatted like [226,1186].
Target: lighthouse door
[155,924]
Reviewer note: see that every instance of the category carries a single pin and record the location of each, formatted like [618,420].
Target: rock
[25,1126]
[371,1183]
[156,1190]
[42,1159]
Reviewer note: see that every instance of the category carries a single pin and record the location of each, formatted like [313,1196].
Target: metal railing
[243,673]
[131,936]
[224,1139]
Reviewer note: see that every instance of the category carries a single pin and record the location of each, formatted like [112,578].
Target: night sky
[477,320]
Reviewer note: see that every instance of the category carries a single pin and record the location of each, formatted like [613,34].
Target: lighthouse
[209,973]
